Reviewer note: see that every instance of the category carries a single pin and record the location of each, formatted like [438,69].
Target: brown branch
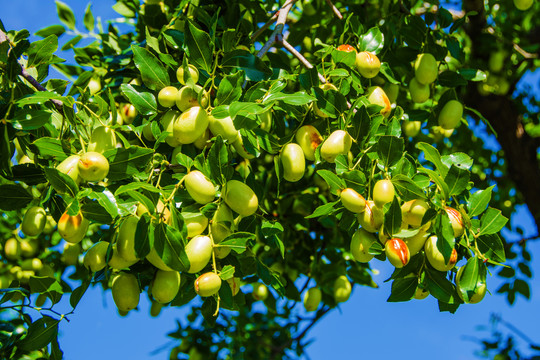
[22,72]
[334,9]
[277,34]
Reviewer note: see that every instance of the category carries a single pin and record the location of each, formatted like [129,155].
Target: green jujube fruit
[126,239]
[224,127]
[70,167]
[338,143]
[450,115]
[165,286]
[93,166]
[199,251]
[190,125]
[103,138]
[95,257]
[240,198]
[199,187]
[34,221]
[125,291]
[352,200]
[419,92]
[360,243]
[221,223]
[293,161]
[312,299]
[426,69]
[207,284]
[167,121]
[342,289]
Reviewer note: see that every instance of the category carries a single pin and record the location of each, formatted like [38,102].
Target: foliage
[300,230]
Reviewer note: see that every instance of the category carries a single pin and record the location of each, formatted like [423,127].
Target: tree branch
[22,72]
[334,9]
[277,34]
[300,57]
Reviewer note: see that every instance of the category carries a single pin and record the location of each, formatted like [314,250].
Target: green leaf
[479,201]
[445,235]
[78,293]
[170,248]
[26,119]
[295,99]
[153,73]
[51,30]
[40,333]
[322,210]
[390,150]
[492,222]
[459,159]
[403,289]
[144,102]
[123,163]
[254,68]
[71,43]
[271,228]
[61,182]
[407,188]
[355,179]
[230,88]
[41,51]
[13,197]
[218,158]
[334,182]
[227,272]
[439,286]
[372,41]
[136,186]
[104,199]
[451,79]
[435,177]
[457,180]
[94,211]
[53,148]
[237,241]
[89,18]
[473,74]
[39,97]
[392,218]
[65,14]
[144,236]
[473,276]
[200,47]
[432,155]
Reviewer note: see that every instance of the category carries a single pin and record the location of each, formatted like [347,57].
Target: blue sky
[365,326]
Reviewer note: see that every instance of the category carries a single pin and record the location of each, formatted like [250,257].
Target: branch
[277,34]
[300,57]
[57,103]
[334,9]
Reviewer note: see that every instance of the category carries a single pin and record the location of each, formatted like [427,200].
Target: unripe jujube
[95,257]
[103,138]
[293,161]
[34,221]
[72,228]
[456,220]
[338,143]
[425,69]
[352,200]
[165,286]
[207,284]
[199,252]
[368,64]
[419,92]
[450,115]
[360,243]
[260,291]
[240,198]
[190,125]
[309,138]
[193,72]
[342,289]
[93,166]
[199,187]
[167,96]
[312,299]
[383,192]
[126,239]
[435,256]
[125,291]
[377,96]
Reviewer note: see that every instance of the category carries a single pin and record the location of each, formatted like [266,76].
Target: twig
[335,9]
[277,34]
[300,57]
[525,54]
[57,103]
[264,27]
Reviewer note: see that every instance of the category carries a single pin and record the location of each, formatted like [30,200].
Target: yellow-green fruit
[372,217]
[125,291]
[383,192]
[238,145]
[70,167]
[29,247]
[413,211]
[312,299]
[474,296]
[199,187]
[450,115]
[34,264]
[222,252]
[167,96]
[165,286]
[207,284]
[260,292]
[190,125]
[186,98]
[147,132]
[309,138]
[416,243]
[435,256]
[293,161]
[360,243]
[93,166]
[71,253]
[324,87]
[167,121]
[377,96]
[397,252]
[12,249]
[342,289]
[240,198]
[523,4]
[368,64]
[128,113]
[353,201]
[202,141]
[95,258]
[419,92]
[199,252]
[117,261]
[456,220]
[222,223]
[155,260]
[195,223]
[155,309]
[426,69]
[411,128]
[193,73]
[392,91]
[421,293]
[103,138]
[496,60]
[72,228]
[94,85]
[125,242]
[34,221]
[224,127]
[338,143]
